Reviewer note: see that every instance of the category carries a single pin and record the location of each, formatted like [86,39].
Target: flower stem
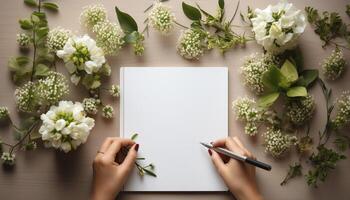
[183,26]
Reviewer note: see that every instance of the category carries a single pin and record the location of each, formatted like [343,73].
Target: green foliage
[50,6]
[134,136]
[307,77]
[223,37]
[127,23]
[20,68]
[286,81]
[328,25]
[323,162]
[348,10]
[31,3]
[294,171]
[342,142]
[191,12]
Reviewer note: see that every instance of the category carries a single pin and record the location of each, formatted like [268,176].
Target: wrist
[102,195]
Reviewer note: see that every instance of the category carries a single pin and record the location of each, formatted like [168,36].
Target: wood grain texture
[46,174]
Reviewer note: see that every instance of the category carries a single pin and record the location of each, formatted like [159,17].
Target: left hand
[109,176]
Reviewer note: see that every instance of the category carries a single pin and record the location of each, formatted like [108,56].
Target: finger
[106,143]
[115,147]
[216,159]
[219,143]
[233,146]
[130,158]
[240,144]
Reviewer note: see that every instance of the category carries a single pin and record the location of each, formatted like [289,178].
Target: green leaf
[273,79]
[134,136]
[31,2]
[191,12]
[127,23]
[41,70]
[221,4]
[149,172]
[268,100]
[50,6]
[307,77]
[289,71]
[298,91]
[35,19]
[131,38]
[26,24]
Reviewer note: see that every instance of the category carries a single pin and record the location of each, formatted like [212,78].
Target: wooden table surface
[46,174]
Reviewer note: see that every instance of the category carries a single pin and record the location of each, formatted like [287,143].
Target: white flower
[114,91]
[161,18]
[109,36]
[4,113]
[107,112]
[8,159]
[81,54]
[65,126]
[93,14]
[278,27]
[191,43]
[57,38]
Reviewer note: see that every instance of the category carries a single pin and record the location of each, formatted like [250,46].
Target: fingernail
[209,151]
[137,147]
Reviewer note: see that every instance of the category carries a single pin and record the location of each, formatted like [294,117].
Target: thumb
[218,162]
[130,158]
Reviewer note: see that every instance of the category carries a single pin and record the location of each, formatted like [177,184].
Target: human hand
[108,175]
[238,176]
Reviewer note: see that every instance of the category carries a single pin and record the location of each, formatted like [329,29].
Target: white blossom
[114,91]
[23,39]
[191,43]
[81,54]
[65,126]
[161,18]
[109,36]
[278,27]
[7,158]
[107,112]
[4,112]
[334,65]
[93,14]
[57,38]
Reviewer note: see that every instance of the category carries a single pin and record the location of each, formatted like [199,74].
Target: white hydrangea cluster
[65,126]
[191,43]
[57,38]
[81,54]
[93,14]
[47,91]
[245,111]
[4,112]
[107,112]
[161,18]
[23,39]
[52,88]
[27,98]
[114,91]
[300,110]
[342,117]
[109,36]
[253,68]
[278,27]
[91,105]
[276,142]
[7,158]
[334,65]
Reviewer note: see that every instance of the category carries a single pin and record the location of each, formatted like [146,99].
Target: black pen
[238,157]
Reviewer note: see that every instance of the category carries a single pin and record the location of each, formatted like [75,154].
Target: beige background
[46,174]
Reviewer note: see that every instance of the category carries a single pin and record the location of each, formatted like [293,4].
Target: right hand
[238,176]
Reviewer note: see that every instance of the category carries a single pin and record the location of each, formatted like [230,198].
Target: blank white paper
[173,109]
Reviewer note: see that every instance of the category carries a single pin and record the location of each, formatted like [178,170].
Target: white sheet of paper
[173,109]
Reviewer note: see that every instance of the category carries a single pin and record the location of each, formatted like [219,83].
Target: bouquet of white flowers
[84,59]
[278,27]
[65,126]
